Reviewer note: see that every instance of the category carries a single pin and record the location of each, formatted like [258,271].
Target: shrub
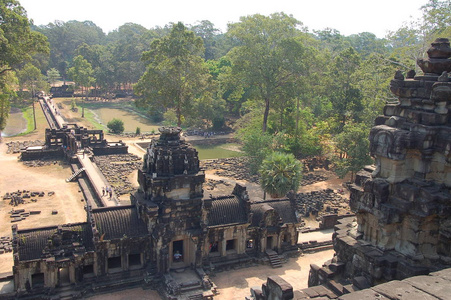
[116,126]
[280,173]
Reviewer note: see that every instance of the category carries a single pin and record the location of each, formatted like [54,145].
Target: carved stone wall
[403,205]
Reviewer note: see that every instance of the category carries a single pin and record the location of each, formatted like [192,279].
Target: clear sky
[347,16]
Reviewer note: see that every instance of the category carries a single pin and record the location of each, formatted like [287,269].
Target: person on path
[103,191]
[111,193]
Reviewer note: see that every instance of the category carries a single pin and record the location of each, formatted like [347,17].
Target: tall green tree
[207,31]
[31,79]
[8,80]
[66,37]
[176,74]
[81,74]
[344,93]
[352,149]
[53,75]
[412,40]
[18,43]
[270,57]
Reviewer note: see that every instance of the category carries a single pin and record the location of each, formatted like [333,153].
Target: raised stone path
[97,180]
[51,113]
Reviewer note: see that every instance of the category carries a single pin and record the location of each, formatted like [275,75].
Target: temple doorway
[269,241]
[63,274]
[177,252]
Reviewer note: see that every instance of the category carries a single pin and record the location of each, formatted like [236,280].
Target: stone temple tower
[403,205]
[170,200]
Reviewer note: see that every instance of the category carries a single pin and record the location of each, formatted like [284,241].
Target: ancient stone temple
[403,204]
[169,228]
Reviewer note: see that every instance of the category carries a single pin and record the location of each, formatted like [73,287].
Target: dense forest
[280,86]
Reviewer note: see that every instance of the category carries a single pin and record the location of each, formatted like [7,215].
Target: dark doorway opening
[64,276]
[230,245]
[177,251]
[214,247]
[134,260]
[88,271]
[269,242]
[37,280]
[114,262]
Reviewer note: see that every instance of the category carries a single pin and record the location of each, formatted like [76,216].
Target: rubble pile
[40,162]
[211,184]
[234,167]
[21,214]
[16,147]
[319,203]
[316,162]
[24,196]
[5,244]
[311,178]
[117,169]
[237,168]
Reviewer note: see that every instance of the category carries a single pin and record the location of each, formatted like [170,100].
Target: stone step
[195,297]
[190,283]
[185,289]
[75,174]
[274,259]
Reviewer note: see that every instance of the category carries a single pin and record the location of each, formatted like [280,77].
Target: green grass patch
[217,151]
[91,117]
[41,121]
[28,115]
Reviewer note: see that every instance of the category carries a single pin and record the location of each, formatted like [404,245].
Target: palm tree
[280,173]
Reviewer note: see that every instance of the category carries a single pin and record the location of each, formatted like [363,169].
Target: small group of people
[107,191]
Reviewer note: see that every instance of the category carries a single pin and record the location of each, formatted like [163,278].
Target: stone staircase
[274,258]
[66,292]
[75,174]
[195,297]
[186,287]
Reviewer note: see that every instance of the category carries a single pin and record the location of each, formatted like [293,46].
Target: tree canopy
[281,86]
[18,44]
[270,58]
[176,75]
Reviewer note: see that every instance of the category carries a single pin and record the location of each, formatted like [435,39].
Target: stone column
[72,277]
[223,247]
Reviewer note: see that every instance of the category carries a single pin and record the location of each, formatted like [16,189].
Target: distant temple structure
[402,204]
[169,227]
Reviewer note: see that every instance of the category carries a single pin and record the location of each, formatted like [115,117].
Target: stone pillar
[50,275]
[124,261]
[72,277]
[223,247]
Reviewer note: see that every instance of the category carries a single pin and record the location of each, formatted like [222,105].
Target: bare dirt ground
[132,294]
[16,176]
[236,284]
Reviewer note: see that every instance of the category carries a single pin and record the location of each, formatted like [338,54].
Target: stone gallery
[169,227]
